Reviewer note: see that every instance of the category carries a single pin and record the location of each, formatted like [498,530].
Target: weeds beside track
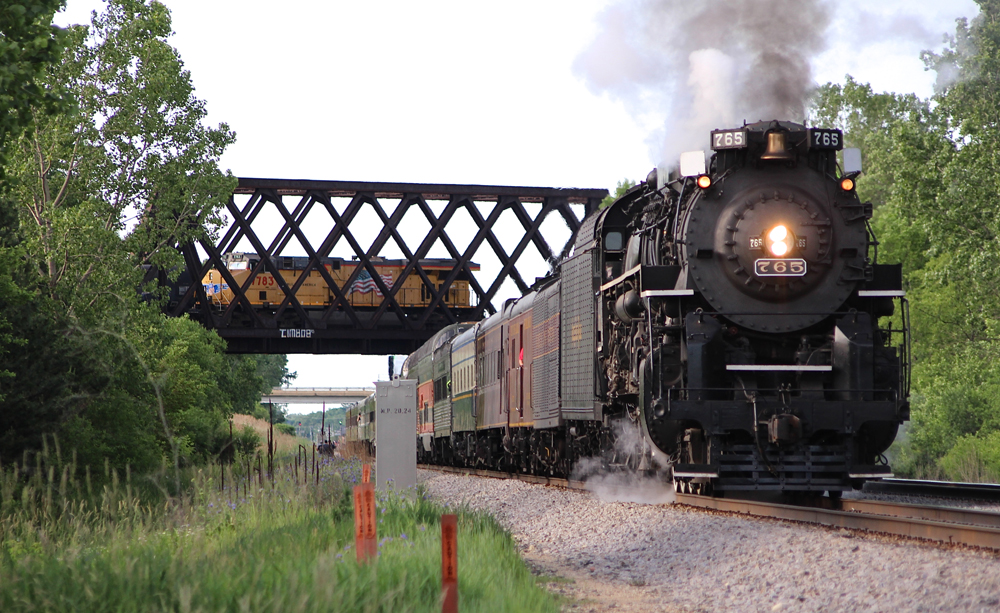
[257,544]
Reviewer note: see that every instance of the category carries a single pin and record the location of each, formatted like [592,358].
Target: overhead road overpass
[316,395]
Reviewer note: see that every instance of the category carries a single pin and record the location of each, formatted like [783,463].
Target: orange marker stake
[371,533]
[366,473]
[449,563]
[360,547]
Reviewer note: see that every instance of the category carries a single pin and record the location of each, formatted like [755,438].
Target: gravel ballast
[630,556]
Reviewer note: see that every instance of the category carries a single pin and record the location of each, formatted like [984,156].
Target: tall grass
[254,544]
[282,442]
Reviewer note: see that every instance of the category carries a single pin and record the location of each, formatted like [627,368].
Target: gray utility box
[396,434]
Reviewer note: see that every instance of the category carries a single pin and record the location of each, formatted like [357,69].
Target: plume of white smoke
[621,485]
[615,486]
[707,64]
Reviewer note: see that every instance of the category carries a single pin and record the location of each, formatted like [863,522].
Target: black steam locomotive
[728,323]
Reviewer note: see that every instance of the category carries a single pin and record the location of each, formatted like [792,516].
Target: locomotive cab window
[614,245]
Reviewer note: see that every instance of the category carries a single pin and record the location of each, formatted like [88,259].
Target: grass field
[283,545]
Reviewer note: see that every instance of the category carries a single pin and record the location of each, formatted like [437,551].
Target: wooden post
[360,546]
[371,529]
[366,473]
[449,563]
[270,442]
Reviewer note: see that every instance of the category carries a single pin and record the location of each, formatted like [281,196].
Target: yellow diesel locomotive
[264,290]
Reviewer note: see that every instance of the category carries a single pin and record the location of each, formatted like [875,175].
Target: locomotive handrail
[628,273]
[781,367]
[881,293]
[831,313]
[678,390]
[666,293]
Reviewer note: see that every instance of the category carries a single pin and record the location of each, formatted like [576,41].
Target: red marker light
[847,184]
[704,181]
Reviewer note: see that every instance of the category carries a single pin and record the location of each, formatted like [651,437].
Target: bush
[974,459]
[246,441]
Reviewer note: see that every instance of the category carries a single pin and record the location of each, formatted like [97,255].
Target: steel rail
[569,484]
[946,489]
[954,515]
[932,530]
[941,524]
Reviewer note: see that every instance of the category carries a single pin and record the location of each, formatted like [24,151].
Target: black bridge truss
[387,328]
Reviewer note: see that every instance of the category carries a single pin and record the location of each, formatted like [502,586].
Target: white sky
[459,92]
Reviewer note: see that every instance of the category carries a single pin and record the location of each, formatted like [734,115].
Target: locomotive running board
[654,293]
[693,471]
[779,367]
[879,293]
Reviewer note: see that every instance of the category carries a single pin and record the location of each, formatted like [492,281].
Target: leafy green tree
[100,192]
[930,171]
[29,45]
[273,368]
[137,150]
[623,186]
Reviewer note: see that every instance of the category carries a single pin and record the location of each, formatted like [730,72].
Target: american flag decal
[364,283]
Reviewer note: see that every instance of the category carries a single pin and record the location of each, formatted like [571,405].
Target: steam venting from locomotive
[707,64]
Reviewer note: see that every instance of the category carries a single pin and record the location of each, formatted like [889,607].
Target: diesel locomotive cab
[745,322]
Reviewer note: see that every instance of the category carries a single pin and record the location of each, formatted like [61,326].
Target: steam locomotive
[726,324]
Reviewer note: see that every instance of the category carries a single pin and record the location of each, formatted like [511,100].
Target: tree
[137,150]
[930,167]
[623,186]
[101,191]
[274,370]
[29,45]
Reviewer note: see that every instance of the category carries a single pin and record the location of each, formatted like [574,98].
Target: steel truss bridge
[384,328]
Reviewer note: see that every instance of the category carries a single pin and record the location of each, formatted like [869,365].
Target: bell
[776,148]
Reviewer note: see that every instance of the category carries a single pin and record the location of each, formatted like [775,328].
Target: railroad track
[934,523]
[942,489]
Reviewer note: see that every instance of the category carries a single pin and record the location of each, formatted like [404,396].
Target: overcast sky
[466,92]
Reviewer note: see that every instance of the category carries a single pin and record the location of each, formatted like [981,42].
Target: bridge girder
[339,327]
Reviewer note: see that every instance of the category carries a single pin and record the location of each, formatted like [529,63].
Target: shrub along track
[934,523]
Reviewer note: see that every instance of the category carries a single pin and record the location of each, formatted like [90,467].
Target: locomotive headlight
[778,240]
[704,181]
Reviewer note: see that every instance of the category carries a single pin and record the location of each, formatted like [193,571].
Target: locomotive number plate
[826,139]
[780,268]
[729,139]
